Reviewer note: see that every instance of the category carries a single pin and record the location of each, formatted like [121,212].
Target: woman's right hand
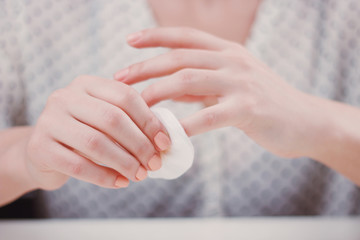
[96,130]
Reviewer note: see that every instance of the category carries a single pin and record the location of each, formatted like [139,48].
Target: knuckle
[210,119]
[59,96]
[75,168]
[111,117]
[186,78]
[93,142]
[144,150]
[127,96]
[151,125]
[130,95]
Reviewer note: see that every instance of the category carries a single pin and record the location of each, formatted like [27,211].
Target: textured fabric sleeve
[12,104]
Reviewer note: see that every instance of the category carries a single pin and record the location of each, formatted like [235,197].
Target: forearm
[335,140]
[14,177]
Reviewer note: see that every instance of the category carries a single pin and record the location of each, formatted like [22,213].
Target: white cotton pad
[179,158]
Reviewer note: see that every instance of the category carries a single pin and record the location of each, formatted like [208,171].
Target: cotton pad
[179,158]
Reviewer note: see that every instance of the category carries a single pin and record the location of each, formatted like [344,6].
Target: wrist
[13,170]
[325,129]
[22,163]
[314,127]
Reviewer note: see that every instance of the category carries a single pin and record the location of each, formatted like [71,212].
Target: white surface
[179,158]
[205,229]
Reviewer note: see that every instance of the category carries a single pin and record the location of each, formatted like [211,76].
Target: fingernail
[121,182]
[155,163]
[133,38]
[121,74]
[162,141]
[141,173]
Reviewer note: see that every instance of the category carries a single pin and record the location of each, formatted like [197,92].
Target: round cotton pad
[179,158]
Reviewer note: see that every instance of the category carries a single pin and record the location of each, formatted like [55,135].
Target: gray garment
[314,45]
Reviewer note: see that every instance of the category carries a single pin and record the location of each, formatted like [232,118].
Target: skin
[243,93]
[43,157]
[113,137]
[249,96]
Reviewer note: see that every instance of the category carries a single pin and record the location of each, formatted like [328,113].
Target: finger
[130,101]
[205,100]
[69,163]
[207,119]
[169,63]
[185,82]
[190,98]
[115,123]
[96,146]
[177,38]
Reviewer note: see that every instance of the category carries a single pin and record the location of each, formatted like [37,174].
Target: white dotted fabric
[314,45]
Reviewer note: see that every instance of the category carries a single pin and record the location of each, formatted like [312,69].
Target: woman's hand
[250,95]
[97,130]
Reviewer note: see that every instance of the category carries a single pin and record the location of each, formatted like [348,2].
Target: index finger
[177,37]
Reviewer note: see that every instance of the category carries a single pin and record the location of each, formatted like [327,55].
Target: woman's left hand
[250,96]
